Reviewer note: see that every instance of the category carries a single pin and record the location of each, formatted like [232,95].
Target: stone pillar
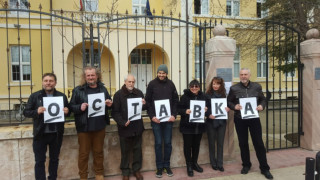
[220,52]
[310,57]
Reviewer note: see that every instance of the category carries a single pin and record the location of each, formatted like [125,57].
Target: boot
[189,169]
[99,177]
[196,167]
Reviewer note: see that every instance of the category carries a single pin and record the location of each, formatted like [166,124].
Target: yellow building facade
[33,43]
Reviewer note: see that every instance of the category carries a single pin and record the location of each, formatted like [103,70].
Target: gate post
[310,57]
[219,52]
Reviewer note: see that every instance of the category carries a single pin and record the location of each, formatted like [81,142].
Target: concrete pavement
[288,164]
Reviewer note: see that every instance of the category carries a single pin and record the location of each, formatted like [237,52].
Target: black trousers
[215,141]
[254,126]
[54,142]
[131,145]
[191,147]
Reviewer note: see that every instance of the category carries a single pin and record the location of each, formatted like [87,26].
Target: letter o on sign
[50,109]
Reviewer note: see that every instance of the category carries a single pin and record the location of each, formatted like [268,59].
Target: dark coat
[79,96]
[159,90]
[120,112]
[187,127]
[34,102]
[216,122]
[240,91]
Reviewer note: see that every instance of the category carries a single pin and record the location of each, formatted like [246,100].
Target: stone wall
[17,159]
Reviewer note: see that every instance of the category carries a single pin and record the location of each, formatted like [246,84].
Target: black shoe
[245,170]
[220,168]
[196,167]
[168,171]
[214,167]
[267,174]
[189,169]
[159,173]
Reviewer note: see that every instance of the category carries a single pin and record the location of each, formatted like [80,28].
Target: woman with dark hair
[192,132]
[216,128]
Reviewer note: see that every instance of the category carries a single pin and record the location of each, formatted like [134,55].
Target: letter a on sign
[134,108]
[249,108]
[163,110]
[197,111]
[54,109]
[96,105]
[218,108]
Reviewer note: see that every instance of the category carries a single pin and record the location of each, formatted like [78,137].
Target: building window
[91,5]
[141,56]
[197,62]
[233,7]
[23,4]
[139,6]
[290,61]
[20,63]
[201,6]
[261,62]
[260,12]
[95,56]
[236,63]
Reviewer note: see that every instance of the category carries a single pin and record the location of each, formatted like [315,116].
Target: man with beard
[49,134]
[162,88]
[246,88]
[91,130]
[130,132]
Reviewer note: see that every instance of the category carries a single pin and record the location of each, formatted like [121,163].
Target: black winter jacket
[120,112]
[216,122]
[34,102]
[159,90]
[187,127]
[79,96]
[240,91]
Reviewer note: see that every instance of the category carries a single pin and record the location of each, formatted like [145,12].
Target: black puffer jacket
[240,91]
[79,96]
[187,127]
[159,90]
[34,102]
[120,112]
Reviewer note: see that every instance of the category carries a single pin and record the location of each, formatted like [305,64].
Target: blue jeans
[40,148]
[162,132]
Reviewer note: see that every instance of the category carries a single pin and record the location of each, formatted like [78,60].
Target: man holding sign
[162,97]
[246,89]
[89,103]
[126,111]
[48,133]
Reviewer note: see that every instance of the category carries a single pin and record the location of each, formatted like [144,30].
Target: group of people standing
[91,130]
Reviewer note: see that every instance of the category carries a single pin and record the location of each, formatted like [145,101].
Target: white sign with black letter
[134,108]
[218,108]
[54,109]
[197,111]
[163,110]
[249,108]
[96,105]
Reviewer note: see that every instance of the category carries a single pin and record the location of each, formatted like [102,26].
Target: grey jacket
[240,91]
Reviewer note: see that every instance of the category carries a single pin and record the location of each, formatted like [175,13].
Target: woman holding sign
[216,128]
[191,129]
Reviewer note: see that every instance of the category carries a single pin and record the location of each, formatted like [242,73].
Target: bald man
[130,132]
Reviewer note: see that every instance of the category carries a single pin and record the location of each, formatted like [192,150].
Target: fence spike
[40,7]
[6,5]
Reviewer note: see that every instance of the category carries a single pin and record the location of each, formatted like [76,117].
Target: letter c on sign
[94,104]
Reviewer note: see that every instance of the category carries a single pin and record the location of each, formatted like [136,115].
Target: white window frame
[291,74]
[236,60]
[233,8]
[12,5]
[91,5]
[261,61]
[22,63]
[204,7]
[197,62]
[263,14]
[140,5]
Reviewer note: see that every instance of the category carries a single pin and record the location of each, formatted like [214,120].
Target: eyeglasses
[195,86]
